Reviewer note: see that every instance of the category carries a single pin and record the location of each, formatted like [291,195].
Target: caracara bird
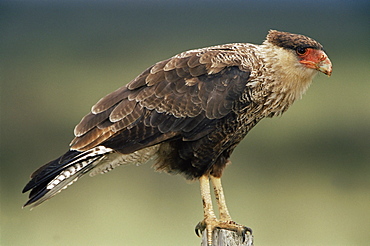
[188,112]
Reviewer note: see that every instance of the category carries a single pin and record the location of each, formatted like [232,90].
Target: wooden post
[227,238]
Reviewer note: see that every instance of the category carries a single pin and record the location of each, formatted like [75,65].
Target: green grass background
[300,179]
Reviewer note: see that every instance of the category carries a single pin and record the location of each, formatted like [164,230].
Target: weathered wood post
[227,238]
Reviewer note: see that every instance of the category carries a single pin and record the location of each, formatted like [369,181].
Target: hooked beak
[317,59]
[325,66]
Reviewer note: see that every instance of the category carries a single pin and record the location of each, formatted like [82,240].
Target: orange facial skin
[315,59]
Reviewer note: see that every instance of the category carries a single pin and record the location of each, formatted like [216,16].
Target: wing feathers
[123,109]
[139,81]
[109,100]
[159,66]
[193,61]
[90,121]
[171,76]
[129,119]
[198,70]
[177,96]
[170,65]
[182,62]
[154,78]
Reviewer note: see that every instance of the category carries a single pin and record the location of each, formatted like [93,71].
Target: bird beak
[324,65]
[317,59]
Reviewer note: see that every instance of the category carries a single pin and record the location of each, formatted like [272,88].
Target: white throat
[292,78]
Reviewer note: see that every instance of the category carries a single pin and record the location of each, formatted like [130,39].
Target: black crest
[292,41]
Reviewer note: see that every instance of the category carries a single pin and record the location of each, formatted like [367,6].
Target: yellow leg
[210,222]
[209,214]
[220,198]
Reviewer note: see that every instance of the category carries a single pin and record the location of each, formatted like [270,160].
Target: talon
[197,232]
[210,221]
[199,228]
[244,231]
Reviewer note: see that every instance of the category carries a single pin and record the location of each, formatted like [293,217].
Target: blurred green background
[301,179]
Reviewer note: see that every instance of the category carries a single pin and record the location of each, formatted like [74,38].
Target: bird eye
[301,51]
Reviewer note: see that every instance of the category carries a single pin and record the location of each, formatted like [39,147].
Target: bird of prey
[188,112]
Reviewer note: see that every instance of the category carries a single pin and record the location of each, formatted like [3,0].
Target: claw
[226,225]
[197,231]
[244,231]
[199,228]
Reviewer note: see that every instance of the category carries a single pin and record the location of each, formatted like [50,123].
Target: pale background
[301,179]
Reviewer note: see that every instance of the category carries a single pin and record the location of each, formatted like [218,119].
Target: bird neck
[290,79]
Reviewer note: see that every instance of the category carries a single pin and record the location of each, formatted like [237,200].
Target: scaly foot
[213,223]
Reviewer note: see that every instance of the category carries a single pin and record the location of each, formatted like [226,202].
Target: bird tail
[58,174]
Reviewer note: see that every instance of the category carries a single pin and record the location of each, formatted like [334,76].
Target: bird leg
[220,198]
[210,219]
[210,222]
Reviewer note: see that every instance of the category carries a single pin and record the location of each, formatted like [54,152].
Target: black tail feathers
[58,174]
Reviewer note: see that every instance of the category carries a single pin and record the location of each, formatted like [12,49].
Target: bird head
[315,59]
[309,52]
